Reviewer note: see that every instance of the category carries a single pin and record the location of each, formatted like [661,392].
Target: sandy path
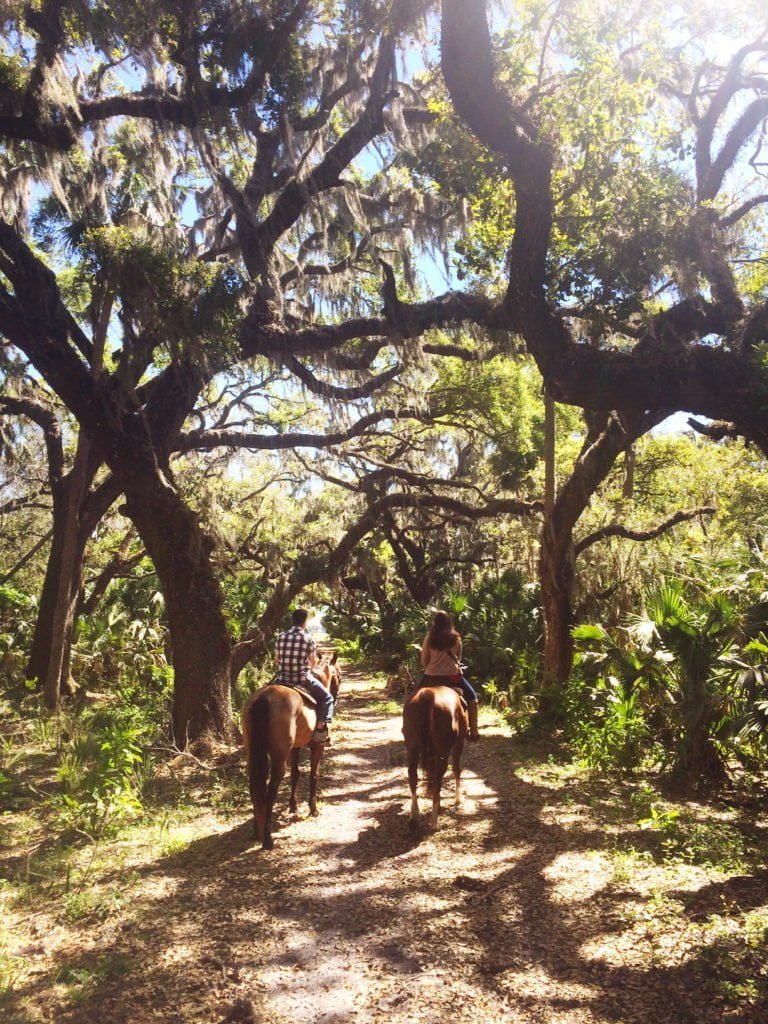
[507,913]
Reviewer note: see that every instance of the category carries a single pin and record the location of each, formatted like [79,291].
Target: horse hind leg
[315,755]
[435,806]
[413,782]
[438,771]
[293,806]
[258,791]
[456,764]
[275,778]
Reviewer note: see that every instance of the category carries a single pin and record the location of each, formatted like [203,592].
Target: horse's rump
[431,724]
[282,716]
[434,729]
[276,722]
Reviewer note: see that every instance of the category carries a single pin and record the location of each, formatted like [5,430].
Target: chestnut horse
[435,726]
[333,682]
[277,723]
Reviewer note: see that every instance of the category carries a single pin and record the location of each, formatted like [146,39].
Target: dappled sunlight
[578,876]
[519,907]
[565,816]
[532,982]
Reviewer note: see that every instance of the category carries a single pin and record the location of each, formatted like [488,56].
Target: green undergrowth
[386,707]
[88,794]
[690,874]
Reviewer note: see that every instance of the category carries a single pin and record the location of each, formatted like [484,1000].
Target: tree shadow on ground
[223,915]
[537,925]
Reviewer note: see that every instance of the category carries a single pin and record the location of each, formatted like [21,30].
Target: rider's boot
[321,733]
[474,735]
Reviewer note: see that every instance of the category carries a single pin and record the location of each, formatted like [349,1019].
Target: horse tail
[255,733]
[427,744]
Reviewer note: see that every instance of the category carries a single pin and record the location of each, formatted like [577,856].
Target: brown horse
[435,726]
[276,723]
[334,679]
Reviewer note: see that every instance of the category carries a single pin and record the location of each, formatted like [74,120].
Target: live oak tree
[233,182]
[607,436]
[630,254]
[685,332]
[79,502]
[198,217]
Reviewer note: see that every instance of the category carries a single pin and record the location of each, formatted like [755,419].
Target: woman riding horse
[434,729]
[441,661]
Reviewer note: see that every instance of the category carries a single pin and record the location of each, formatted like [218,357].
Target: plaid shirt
[294,649]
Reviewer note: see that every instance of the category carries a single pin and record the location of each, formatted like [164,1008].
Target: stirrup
[321,734]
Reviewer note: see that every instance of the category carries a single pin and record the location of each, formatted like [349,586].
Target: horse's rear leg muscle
[315,754]
[293,807]
[456,763]
[275,778]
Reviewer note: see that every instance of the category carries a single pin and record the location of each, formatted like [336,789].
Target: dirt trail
[506,913]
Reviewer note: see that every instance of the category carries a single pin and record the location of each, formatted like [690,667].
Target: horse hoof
[267,844]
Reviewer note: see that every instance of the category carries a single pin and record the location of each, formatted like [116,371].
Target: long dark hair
[442,636]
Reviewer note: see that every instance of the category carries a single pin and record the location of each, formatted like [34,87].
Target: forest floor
[549,897]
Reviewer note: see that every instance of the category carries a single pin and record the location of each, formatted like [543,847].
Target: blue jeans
[323,698]
[466,688]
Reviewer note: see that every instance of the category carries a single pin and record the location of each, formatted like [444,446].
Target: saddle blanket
[306,696]
[441,681]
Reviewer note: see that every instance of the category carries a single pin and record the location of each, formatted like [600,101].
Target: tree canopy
[211,208]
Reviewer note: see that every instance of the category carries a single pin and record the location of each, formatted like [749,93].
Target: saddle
[305,695]
[441,681]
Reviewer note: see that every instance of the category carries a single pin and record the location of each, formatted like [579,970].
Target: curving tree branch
[618,530]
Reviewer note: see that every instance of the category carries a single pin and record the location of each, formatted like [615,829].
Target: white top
[441,663]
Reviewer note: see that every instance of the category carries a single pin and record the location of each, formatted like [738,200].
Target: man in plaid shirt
[296,654]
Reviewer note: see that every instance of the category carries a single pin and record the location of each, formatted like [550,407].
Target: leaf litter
[530,904]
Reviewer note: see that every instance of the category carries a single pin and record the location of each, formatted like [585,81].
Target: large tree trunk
[556,577]
[201,648]
[50,653]
[40,652]
[607,436]
[76,512]
[49,658]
